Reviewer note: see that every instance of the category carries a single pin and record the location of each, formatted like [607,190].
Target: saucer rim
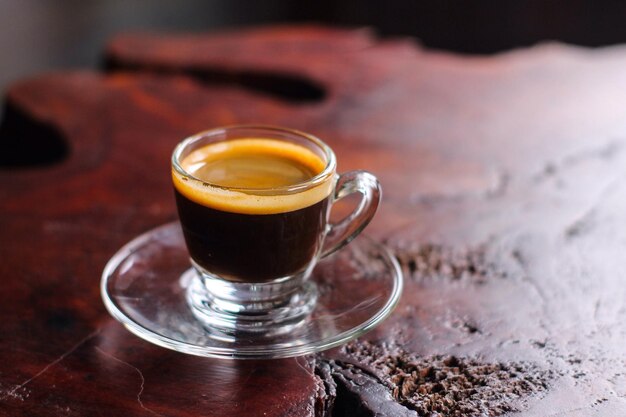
[256,352]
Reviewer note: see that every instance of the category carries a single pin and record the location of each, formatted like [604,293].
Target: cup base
[229,310]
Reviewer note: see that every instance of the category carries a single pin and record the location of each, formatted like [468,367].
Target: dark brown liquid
[241,236]
[251,247]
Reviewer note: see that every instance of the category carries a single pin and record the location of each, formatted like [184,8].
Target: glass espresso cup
[254,205]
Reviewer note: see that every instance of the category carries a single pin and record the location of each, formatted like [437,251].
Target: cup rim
[329,169]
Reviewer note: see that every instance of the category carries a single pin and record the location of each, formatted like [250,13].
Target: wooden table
[504,199]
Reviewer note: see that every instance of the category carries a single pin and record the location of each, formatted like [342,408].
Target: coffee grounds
[443,385]
[435,261]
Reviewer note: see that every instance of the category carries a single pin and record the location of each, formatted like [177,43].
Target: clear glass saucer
[144,286]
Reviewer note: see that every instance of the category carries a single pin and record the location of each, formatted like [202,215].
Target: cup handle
[340,234]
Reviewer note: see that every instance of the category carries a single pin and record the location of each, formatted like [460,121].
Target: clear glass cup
[253,249]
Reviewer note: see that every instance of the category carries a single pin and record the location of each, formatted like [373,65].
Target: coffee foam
[252,201]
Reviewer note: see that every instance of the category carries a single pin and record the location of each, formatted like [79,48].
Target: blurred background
[41,35]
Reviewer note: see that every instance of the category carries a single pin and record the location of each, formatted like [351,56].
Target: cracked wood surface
[505,194]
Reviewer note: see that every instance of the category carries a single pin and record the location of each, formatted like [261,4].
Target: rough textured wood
[504,200]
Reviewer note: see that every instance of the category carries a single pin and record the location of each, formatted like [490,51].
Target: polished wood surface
[504,200]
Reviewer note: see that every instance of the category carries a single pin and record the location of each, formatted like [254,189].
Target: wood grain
[504,200]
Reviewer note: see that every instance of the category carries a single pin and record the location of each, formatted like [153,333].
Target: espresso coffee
[242,214]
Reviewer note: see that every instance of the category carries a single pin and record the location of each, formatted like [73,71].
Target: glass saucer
[144,286]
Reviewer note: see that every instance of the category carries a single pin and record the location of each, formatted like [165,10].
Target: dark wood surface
[504,200]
